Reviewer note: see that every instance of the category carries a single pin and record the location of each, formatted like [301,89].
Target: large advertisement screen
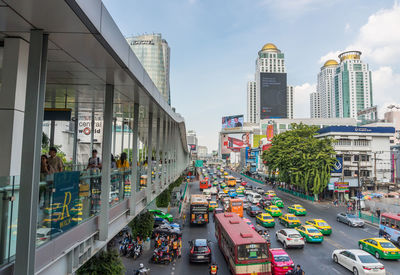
[232,121]
[273,100]
[234,142]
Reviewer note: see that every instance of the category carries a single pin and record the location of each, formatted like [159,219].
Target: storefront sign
[341,187]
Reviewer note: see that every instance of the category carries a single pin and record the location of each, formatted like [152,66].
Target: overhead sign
[85,129]
[338,167]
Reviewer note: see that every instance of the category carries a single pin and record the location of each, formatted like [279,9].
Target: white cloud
[302,99]
[347,28]
[330,55]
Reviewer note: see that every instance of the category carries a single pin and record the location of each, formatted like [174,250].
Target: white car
[358,261]
[253,197]
[290,238]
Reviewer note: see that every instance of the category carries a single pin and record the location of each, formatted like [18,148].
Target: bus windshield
[252,252]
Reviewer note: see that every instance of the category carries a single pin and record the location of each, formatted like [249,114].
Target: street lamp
[359,188]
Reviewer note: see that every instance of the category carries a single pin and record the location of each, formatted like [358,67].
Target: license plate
[285,267]
[393,252]
[200,257]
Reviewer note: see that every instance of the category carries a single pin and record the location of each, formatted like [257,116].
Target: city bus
[390,224]
[203,184]
[244,249]
[198,209]
[230,181]
[236,206]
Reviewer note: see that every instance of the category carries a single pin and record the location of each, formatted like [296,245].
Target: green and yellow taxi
[265,220]
[278,202]
[289,220]
[310,233]
[226,190]
[321,225]
[223,185]
[240,190]
[297,209]
[270,193]
[212,205]
[274,211]
[380,248]
[215,183]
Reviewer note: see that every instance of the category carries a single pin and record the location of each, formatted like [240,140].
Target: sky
[214,45]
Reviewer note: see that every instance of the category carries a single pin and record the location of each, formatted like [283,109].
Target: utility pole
[359,188]
[375,187]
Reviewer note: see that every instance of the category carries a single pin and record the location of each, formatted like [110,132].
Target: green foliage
[301,159]
[142,225]
[104,263]
[164,198]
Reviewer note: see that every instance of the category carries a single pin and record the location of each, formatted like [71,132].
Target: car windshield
[367,259]
[387,245]
[281,258]
[323,224]
[274,208]
[294,236]
[255,208]
[291,218]
[351,216]
[312,230]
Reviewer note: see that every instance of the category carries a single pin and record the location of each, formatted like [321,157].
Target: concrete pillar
[149,189]
[31,150]
[134,177]
[12,104]
[122,130]
[164,148]
[106,168]
[92,132]
[157,159]
[75,145]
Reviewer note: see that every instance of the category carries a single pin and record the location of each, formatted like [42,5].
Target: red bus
[390,224]
[203,184]
[244,249]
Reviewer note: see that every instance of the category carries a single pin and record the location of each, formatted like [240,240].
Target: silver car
[350,219]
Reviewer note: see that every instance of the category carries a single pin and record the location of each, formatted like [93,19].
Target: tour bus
[390,224]
[230,181]
[203,184]
[198,209]
[236,206]
[244,249]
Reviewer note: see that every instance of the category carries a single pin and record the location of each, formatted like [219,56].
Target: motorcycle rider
[142,270]
[213,268]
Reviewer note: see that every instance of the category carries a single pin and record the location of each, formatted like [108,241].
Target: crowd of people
[171,244]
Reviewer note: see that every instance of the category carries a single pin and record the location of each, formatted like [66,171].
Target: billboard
[85,128]
[192,147]
[338,167]
[257,140]
[232,121]
[273,100]
[234,142]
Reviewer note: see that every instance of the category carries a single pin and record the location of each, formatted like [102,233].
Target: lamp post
[359,187]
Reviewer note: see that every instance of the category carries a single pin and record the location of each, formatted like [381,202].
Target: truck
[198,209]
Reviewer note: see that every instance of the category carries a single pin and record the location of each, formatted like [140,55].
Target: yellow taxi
[274,211]
[212,205]
[265,220]
[226,190]
[240,190]
[289,220]
[297,209]
[380,247]
[270,193]
[321,225]
[310,233]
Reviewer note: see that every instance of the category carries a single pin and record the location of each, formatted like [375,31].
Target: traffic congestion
[251,228]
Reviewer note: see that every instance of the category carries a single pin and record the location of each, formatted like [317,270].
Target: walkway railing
[246,176]
[183,197]
[369,218]
[297,194]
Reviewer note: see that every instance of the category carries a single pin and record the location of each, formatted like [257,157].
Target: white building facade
[324,87]
[251,102]
[154,54]
[315,105]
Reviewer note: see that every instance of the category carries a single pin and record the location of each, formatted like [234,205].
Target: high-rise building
[315,105]
[324,87]
[154,54]
[352,86]
[251,102]
[289,99]
[269,95]
[192,141]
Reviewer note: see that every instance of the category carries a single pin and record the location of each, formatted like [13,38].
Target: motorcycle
[137,251]
[161,257]
[143,271]
[123,248]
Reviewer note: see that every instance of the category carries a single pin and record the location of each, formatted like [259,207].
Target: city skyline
[213,64]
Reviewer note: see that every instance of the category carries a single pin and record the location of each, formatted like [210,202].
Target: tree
[301,159]
[142,225]
[105,262]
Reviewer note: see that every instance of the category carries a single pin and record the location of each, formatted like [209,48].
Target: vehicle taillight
[289,239]
[367,268]
[192,250]
[208,250]
[382,268]
[302,238]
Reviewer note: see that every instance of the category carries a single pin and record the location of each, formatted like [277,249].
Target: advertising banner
[85,128]
[257,140]
[341,187]
[232,122]
[234,142]
[270,132]
[192,147]
[338,167]
[66,186]
[273,95]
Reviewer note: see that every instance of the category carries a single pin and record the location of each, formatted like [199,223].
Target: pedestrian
[113,162]
[123,162]
[298,270]
[94,161]
[55,162]
[378,212]
[44,168]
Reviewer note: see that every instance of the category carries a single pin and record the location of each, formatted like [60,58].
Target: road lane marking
[333,243]
[337,271]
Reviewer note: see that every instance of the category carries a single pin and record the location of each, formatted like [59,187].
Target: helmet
[141,265]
